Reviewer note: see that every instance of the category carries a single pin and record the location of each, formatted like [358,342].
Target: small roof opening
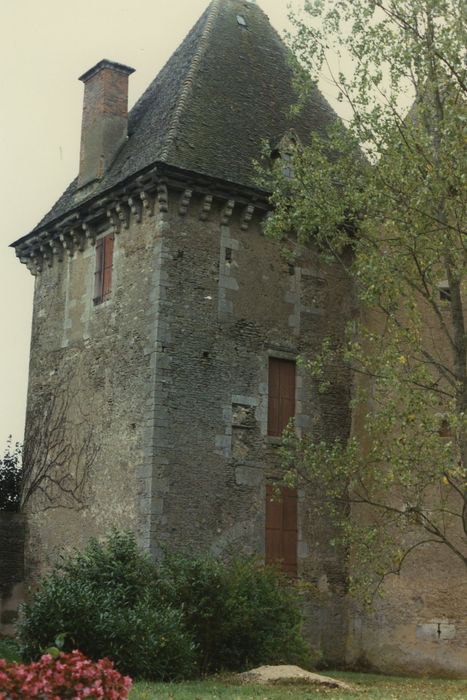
[241,20]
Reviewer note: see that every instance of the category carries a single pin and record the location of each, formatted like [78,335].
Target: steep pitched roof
[224,90]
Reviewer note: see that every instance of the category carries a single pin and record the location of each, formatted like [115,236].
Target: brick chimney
[105,117]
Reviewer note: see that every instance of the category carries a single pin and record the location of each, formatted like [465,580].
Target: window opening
[103,273]
[281,394]
[281,536]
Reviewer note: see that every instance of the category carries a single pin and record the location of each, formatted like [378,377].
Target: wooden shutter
[289,531]
[107,268]
[281,528]
[281,394]
[99,273]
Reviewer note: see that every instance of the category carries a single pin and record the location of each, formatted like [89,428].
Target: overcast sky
[44,46]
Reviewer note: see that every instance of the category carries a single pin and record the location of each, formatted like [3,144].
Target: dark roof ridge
[187,86]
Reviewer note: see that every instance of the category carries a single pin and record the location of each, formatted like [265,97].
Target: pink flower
[71,676]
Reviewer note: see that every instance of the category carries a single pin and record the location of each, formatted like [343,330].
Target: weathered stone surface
[176,391]
[419,625]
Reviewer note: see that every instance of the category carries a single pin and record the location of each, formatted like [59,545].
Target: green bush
[105,601]
[239,613]
[184,616]
[9,650]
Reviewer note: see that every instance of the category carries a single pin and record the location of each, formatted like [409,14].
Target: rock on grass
[265,675]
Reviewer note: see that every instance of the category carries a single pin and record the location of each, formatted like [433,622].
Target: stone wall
[12,531]
[231,301]
[102,356]
[170,376]
[169,379]
[419,624]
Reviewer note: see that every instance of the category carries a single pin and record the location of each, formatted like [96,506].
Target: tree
[61,448]
[390,187]
[10,477]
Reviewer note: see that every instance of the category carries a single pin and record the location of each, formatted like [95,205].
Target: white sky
[44,46]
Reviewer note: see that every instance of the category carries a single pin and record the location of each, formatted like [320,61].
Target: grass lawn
[369,687]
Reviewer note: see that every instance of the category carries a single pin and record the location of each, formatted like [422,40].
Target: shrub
[9,649]
[105,601]
[184,616]
[68,676]
[240,614]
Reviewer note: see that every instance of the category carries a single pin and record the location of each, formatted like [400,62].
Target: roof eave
[225,189]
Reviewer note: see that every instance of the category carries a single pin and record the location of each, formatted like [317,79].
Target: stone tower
[167,327]
[166,332]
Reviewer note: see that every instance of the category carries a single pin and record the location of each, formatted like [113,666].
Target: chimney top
[105,63]
[104,127]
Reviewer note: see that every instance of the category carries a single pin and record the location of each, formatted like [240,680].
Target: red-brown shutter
[281,394]
[281,528]
[287,395]
[273,525]
[274,396]
[98,275]
[289,531]
[107,271]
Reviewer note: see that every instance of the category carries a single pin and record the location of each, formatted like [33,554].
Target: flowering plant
[71,676]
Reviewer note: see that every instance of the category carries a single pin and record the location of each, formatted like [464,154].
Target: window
[281,394]
[281,528]
[284,152]
[284,161]
[103,274]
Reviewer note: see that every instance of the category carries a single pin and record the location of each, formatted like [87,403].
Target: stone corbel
[185,200]
[247,216]
[56,247]
[162,198]
[226,212]
[66,239]
[78,238]
[136,207]
[206,207]
[89,232]
[148,201]
[34,263]
[114,220]
[45,249]
[123,213]
[27,256]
